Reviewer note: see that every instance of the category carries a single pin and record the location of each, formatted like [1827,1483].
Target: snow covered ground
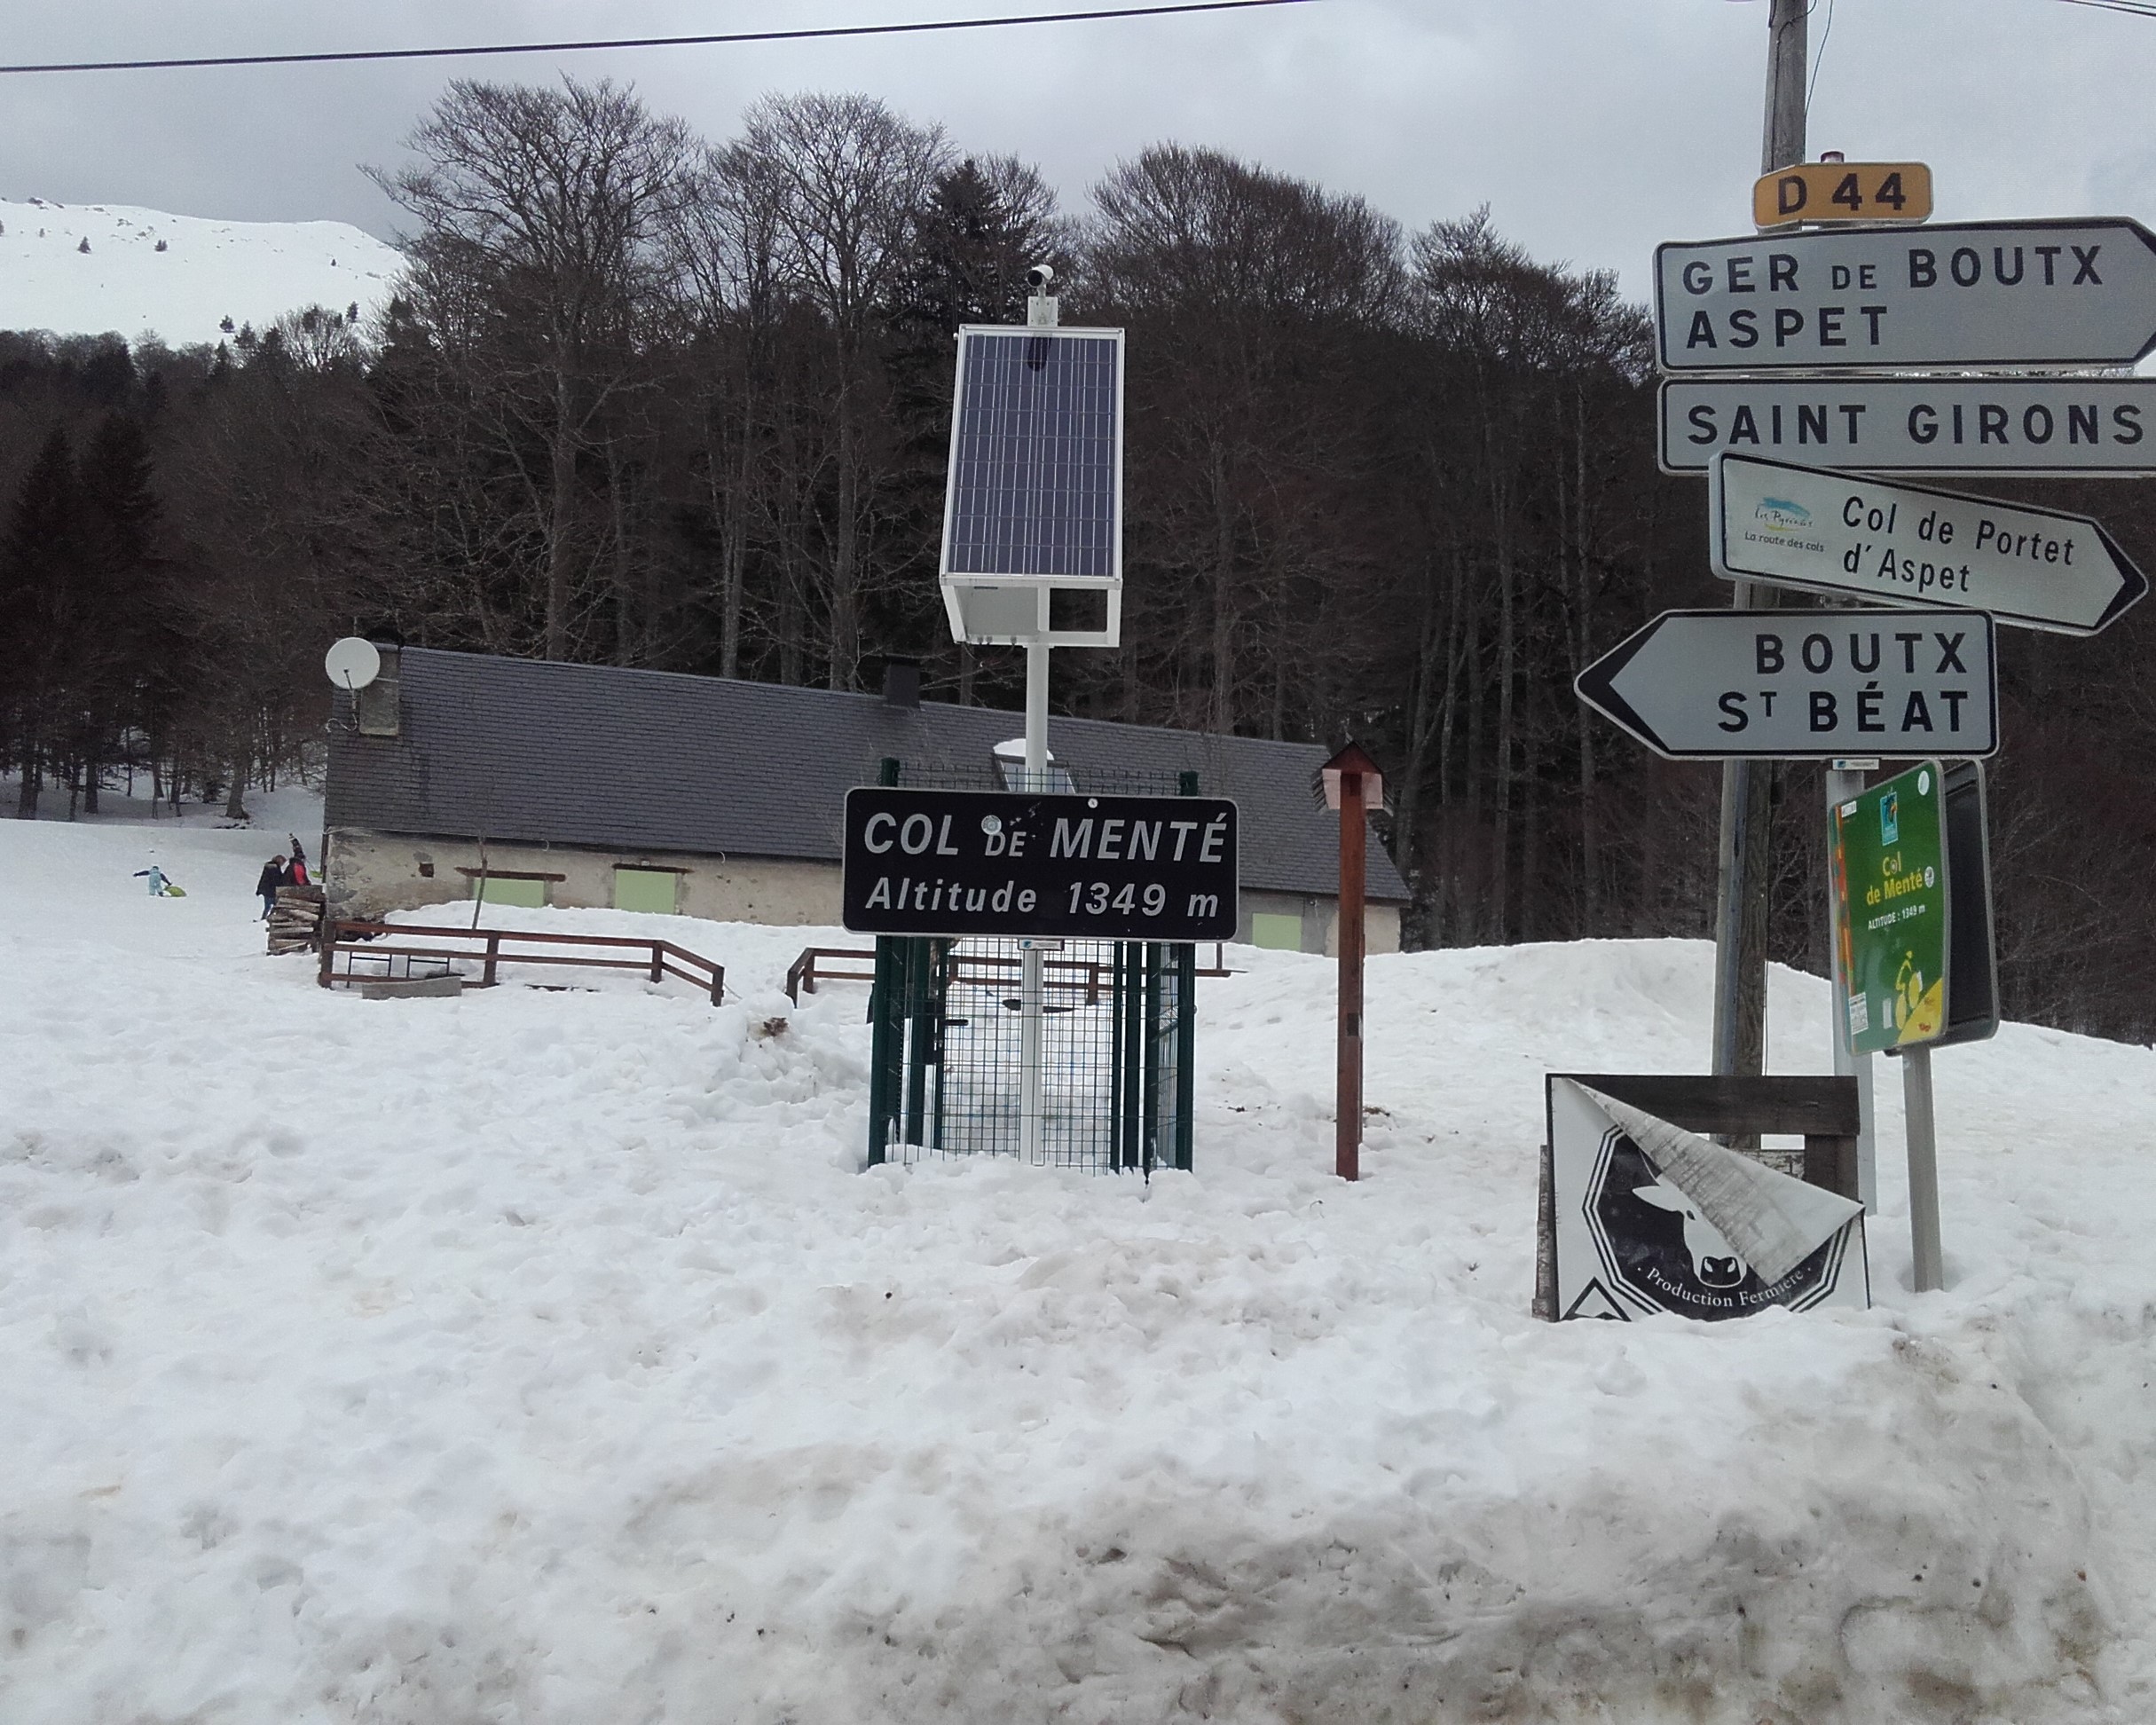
[544,1357]
[209,271]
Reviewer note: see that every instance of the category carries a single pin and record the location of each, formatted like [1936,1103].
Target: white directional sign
[2088,425]
[1846,533]
[1793,685]
[1969,293]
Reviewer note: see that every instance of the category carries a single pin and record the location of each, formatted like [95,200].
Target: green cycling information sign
[1891,911]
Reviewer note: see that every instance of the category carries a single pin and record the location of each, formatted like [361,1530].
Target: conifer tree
[129,657]
[40,598]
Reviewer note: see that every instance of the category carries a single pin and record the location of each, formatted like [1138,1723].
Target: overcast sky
[1592,128]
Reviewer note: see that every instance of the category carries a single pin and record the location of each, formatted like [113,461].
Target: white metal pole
[1036,714]
[1030,1025]
[1924,1169]
[1844,780]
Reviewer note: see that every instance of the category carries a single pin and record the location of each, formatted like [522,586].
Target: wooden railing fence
[364,942]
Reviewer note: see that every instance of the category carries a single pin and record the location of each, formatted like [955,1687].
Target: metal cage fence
[1116,1070]
[1117,1027]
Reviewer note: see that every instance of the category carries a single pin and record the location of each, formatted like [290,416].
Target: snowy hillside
[544,1357]
[179,276]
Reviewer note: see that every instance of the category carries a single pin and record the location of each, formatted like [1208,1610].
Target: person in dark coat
[273,876]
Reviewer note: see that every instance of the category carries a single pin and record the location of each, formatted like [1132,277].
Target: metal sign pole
[1030,979]
[1924,1169]
[1728,903]
[1033,506]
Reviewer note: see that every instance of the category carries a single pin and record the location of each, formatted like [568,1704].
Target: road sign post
[1802,685]
[1960,294]
[1810,527]
[1744,839]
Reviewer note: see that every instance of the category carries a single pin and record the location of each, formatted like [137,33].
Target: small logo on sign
[1655,1242]
[1890,819]
[1778,515]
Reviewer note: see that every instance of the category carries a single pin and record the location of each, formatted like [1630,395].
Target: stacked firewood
[295,924]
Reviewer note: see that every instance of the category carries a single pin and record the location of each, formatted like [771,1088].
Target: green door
[645,889]
[511,889]
[1283,934]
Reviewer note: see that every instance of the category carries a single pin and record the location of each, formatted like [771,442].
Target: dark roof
[539,752]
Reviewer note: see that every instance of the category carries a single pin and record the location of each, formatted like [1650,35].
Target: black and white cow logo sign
[1655,1247]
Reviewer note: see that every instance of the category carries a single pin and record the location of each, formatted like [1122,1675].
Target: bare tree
[541,216]
[730,297]
[849,178]
[1246,286]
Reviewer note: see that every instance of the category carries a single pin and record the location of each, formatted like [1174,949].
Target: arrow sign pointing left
[1802,685]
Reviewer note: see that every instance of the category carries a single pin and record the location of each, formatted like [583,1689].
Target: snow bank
[179,277]
[540,1356]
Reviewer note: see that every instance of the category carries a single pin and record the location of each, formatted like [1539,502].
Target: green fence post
[1186,1026]
[883,1029]
[1115,1056]
[884,1054]
[1132,1020]
[941,962]
[1186,1050]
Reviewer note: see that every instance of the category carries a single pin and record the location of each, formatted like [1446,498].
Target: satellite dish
[352,663]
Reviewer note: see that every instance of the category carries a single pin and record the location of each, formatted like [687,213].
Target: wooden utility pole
[1745,859]
[1347,1153]
[1352,786]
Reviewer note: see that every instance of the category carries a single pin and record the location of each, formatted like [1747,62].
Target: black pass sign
[990,862]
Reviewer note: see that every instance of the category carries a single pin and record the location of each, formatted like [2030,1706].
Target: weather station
[1033,534]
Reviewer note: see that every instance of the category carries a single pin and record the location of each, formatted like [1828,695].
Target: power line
[2132,8]
[1820,58]
[346,56]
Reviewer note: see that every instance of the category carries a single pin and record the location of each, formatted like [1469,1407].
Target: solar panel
[1036,484]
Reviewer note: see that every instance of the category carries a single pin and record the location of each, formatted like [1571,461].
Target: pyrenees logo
[1778,515]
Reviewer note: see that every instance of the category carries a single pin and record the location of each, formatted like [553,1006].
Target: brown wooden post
[1347,1156]
[1352,783]
[493,951]
[657,960]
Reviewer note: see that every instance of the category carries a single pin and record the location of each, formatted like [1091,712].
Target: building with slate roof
[543,783]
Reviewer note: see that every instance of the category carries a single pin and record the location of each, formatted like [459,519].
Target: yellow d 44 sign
[1843,192]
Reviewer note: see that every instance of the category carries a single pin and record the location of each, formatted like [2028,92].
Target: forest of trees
[646,400]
